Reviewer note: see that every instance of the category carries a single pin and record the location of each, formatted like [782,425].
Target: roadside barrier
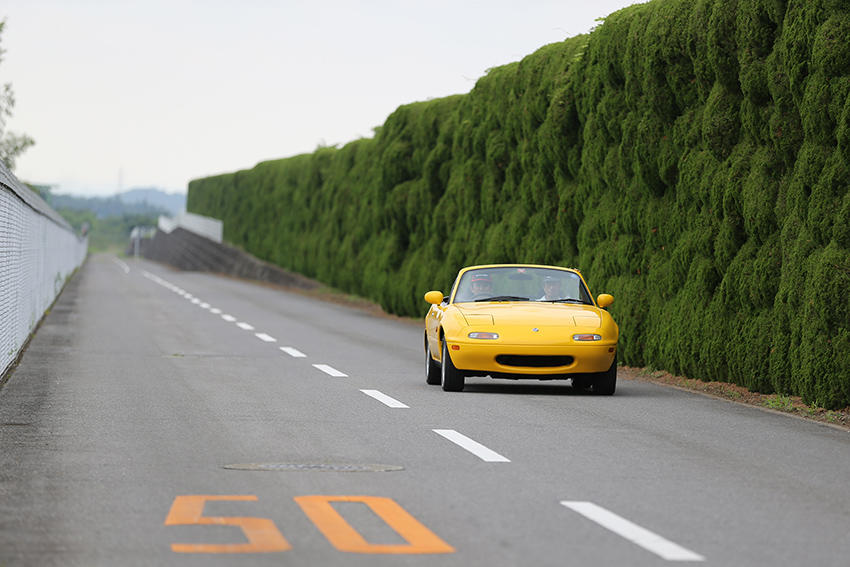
[38,253]
[187,250]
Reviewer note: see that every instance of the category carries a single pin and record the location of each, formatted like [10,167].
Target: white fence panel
[38,252]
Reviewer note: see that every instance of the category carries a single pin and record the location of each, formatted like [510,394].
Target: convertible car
[521,321]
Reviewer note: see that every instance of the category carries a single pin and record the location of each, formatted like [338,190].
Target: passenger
[551,289]
[481,286]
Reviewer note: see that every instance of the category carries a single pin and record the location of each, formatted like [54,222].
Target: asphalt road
[118,427]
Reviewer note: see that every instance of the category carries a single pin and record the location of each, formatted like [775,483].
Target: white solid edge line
[385,399]
[330,370]
[122,265]
[646,539]
[266,338]
[293,352]
[246,326]
[474,447]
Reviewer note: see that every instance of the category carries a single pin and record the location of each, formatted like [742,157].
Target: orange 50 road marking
[420,540]
[264,537]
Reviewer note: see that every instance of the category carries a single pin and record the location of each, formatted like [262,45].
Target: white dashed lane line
[646,539]
[385,399]
[330,370]
[293,352]
[474,447]
[123,266]
[204,305]
[477,449]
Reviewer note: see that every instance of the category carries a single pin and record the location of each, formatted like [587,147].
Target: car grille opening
[533,361]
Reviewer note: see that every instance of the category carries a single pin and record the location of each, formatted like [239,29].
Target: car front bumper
[488,357]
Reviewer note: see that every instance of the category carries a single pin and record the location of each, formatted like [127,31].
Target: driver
[481,286]
[551,289]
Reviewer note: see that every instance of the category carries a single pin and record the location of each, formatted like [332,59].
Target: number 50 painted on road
[264,537]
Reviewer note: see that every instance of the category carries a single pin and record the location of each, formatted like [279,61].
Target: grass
[779,402]
[792,405]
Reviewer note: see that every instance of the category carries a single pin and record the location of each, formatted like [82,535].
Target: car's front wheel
[432,369]
[606,382]
[452,378]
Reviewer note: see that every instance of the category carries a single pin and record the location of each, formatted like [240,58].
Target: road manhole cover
[315,467]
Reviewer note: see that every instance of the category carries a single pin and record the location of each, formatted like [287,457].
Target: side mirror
[603,300]
[434,297]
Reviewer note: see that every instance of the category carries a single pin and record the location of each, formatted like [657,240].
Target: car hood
[538,314]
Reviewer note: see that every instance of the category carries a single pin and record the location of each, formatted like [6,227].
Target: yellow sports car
[521,321]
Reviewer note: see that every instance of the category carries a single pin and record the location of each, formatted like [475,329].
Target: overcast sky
[123,94]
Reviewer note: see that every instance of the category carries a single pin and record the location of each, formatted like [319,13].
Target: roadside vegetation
[12,145]
[108,234]
[107,221]
[691,157]
[793,405]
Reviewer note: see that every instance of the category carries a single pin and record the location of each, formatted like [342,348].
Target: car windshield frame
[521,283]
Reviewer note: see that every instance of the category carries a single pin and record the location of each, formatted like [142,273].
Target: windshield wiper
[503,298]
[566,300]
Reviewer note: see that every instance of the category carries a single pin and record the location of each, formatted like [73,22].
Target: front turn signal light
[587,337]
[477,335]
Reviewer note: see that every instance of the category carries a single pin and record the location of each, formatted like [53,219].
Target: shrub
[691,156]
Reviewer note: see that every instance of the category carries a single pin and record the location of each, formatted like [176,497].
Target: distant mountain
[143,201]
[174,203]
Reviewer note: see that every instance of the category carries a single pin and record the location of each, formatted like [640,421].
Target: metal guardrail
[38,252]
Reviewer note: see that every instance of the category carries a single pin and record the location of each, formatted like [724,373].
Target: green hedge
[691,156]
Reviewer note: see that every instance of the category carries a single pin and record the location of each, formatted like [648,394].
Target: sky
[119,94]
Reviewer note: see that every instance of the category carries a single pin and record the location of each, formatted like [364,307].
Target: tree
[11,145]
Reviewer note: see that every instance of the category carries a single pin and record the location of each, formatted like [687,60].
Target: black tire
[432,369]
[452,378]
[606,382]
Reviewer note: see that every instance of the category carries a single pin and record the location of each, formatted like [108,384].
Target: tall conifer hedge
[690,156]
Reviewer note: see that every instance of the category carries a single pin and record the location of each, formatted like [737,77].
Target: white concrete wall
[205,226]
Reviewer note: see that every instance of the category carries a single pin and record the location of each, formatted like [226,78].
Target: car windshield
[521,284]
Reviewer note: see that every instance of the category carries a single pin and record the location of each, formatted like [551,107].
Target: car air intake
[533,361]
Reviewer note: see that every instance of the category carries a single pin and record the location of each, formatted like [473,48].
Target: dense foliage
[690,156]
[107,221]
[109,234]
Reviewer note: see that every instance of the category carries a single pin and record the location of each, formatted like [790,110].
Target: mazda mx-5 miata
[521,321]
